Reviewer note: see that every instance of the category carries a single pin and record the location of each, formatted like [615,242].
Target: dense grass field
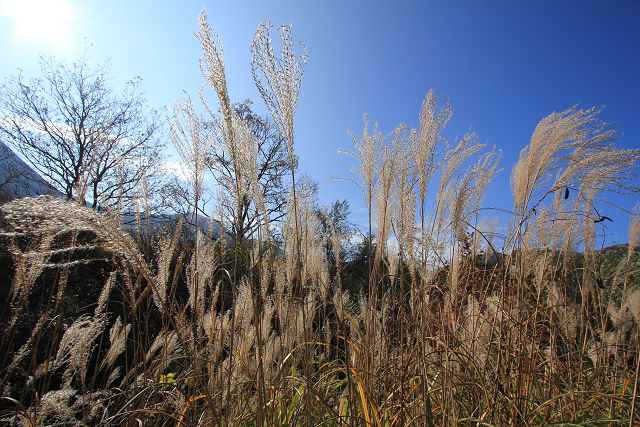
[437,316]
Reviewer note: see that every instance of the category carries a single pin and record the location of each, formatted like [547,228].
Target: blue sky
[503,65]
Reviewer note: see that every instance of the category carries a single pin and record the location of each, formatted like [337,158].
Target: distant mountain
[156,222]
[18,179]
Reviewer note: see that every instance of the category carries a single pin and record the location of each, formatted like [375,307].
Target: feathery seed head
[574,144]
[212,66]
[282,76]
[187,134]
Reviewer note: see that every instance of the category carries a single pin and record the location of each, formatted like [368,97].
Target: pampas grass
[457,324]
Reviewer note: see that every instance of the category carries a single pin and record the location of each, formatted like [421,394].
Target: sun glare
[39,18]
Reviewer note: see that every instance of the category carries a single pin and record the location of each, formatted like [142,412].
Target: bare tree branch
[78,134]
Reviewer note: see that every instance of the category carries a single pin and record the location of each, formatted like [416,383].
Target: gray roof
[18,179]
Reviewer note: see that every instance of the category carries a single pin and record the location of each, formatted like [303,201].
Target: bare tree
[81,136]
[273,170]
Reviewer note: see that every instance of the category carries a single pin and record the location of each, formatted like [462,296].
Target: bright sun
[39,18]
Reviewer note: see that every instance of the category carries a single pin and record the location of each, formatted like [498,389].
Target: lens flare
[36,19]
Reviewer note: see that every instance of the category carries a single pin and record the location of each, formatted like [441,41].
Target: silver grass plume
[455,157]
[575,144]
[56,406]
[471,189]
[393,260]
[484,171]
[43,215]
[404,204]
[451,184]
[463,196]
[199,275]
[212,65]
[311,240]
[167,341]
[27,347]
[368,152]
[244,333]
[342,303]
[77,345]
[282,77]
[118,338]
[425,149]
[29,265]
[244,157]
[387,172]
[113,376]
[104,294]
[267,313]
[164,252]
[626,318]
[191,143]
[211,319]
[213,327]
